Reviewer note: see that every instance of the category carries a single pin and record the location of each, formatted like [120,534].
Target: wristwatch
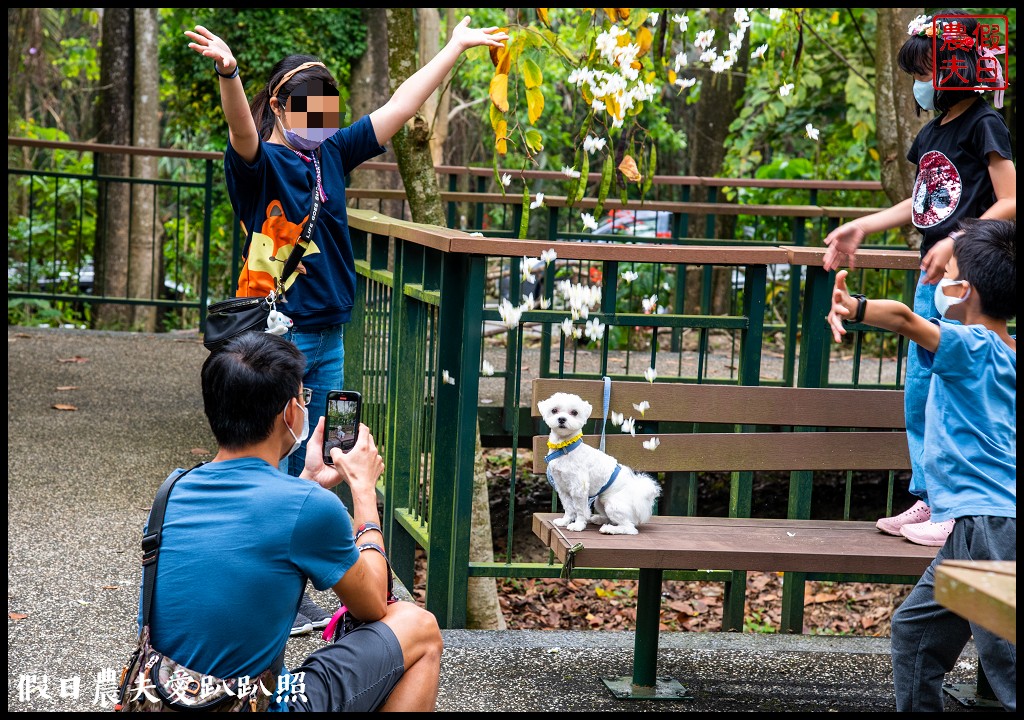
[862,306]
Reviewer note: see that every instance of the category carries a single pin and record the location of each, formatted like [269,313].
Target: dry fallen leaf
[74,359]
[200,451]
[61,406]
[111,587]
[67,387]
[16,616]
[628,168]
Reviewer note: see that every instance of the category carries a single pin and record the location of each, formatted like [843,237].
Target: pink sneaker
[928,532]
[918,513]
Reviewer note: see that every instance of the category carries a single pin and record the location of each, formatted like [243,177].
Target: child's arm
[1004,183]
[241,127]
[845,239]
[411,94]
[885,314]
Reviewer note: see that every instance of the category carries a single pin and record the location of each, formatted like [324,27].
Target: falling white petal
[538,202]
[547,256]
[617,418]
[588,221]
[567,326]
[506,179]
[786,89]
[629,425]
[759,53]
[487,368]
[650,374]
[642,407]
[629,276]
[812,132]
[446,378]
[570,172]
[652,444]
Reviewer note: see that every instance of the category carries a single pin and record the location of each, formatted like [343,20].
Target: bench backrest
[868,447]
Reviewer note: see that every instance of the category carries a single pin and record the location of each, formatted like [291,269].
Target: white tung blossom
[528,303]
[595,329]
[650,374]
[446,378]
[567,326]
[642,407]
[598,105]
[683,21]
[588,221]
[686,82]
[786,89]
[538,202]
[510,314]
[705,38]
[629,425]
[487,369]
[681,61]
[812,132]
[653,18]
[506,179]
[592,144]
[759,53]
[617,418]
[650,304]
[709,55]
[652,444]
[570,172]
[528,267]
[629,276]
[547,256]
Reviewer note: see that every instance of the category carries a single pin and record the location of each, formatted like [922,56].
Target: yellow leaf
[613,107]
[672,77]
[873,153]
[534,104]
[532,75]
[628,168]
[500,134]
[499,92]
[497,51]
[542,13]
[644,39]
[623,13]
[835,17]
[612,14]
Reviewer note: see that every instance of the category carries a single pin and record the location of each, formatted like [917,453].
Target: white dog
[580,474]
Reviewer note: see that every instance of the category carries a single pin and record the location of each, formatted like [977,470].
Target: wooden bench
[812,430]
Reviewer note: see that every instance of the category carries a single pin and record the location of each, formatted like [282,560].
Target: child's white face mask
[944,302]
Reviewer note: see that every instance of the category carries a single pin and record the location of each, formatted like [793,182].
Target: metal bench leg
[645,684]
[975,696]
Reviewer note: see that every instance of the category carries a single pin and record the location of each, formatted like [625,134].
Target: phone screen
[341,423]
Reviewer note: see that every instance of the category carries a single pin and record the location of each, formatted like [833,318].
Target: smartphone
[341,421]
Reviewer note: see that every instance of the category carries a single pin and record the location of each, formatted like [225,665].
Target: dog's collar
[565,443]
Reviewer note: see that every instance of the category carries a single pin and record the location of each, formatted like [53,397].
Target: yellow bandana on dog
[565,443]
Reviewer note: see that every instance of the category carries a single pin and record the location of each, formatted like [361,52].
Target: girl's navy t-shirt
[271,198]
[953,182]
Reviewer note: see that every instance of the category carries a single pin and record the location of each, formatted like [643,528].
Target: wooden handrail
[115,149]
[457,241]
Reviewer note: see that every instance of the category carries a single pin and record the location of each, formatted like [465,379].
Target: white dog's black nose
[561,421]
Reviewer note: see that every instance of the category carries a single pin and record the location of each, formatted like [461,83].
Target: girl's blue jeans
[325,370]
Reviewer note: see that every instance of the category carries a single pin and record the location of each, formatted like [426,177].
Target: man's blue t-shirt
[240,539]
[970,434]
[272,196]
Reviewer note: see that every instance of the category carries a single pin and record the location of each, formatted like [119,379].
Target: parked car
[638,223]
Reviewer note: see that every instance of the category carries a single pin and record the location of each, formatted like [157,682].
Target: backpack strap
[151,540]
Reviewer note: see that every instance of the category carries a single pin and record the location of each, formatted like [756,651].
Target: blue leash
[607,399]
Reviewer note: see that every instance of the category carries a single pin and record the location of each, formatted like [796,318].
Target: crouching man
[241,539]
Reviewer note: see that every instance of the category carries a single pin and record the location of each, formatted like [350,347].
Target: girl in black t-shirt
[964,170]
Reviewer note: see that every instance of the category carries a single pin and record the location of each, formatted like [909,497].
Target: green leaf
[649,175]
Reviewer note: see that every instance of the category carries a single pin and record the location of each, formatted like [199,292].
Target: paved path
[79,487]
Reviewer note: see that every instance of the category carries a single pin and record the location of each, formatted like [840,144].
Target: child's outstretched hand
[209,45]
[466,37]
[842,243]
[841,301]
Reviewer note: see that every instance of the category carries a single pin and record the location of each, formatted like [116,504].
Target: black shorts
[355,674]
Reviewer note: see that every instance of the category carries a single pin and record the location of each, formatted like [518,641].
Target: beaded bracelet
[232,76]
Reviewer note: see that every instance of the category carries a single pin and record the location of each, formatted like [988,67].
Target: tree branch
[839,55]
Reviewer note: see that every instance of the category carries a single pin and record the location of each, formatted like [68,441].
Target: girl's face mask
[924,93]
[313,113]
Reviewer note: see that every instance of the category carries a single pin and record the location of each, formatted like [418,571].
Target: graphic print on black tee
[936,191]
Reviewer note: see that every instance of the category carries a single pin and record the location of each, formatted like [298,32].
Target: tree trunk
[369,91]
[146,242]
[896,120]
[435,109]
[113,201]
[412,148]
[412,142]
[483,611]
[707,131]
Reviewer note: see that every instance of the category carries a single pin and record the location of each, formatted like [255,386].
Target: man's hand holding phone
[360,467]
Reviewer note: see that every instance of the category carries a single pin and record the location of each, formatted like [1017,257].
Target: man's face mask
[314,114]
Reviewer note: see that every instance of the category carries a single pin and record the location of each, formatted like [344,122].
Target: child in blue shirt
[970,450]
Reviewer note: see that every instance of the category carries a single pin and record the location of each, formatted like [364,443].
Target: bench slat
[734,404]
[729,452]
[701,543]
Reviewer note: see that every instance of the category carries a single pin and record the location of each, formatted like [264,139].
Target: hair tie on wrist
[232,76]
